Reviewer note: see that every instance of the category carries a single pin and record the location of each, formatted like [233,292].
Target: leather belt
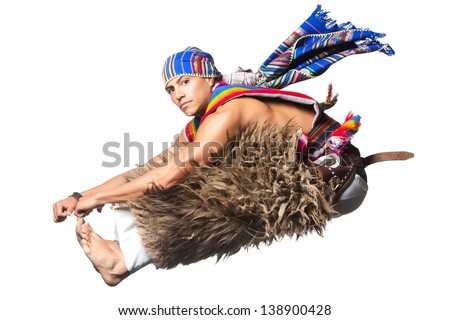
[386,156]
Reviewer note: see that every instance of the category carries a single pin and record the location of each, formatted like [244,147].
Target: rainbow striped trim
[224,93]
[326,131]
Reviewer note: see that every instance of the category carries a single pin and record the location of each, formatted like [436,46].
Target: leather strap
[387,156]
[339,178]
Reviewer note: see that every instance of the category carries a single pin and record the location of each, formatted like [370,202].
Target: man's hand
[86,204]
[63,208]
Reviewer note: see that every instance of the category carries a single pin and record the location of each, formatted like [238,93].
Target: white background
[77,74]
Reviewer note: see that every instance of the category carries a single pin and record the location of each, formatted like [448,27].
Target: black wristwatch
[76,195]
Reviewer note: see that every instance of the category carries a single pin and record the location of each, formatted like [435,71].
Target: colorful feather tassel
[341,137]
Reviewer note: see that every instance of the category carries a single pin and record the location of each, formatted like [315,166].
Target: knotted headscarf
[307,53]
[190,62]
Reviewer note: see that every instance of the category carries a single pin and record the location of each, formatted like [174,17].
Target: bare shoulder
[223,119]
[222,124]
[232,116]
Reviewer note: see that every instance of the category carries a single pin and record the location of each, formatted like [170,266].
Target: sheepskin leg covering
[256,192]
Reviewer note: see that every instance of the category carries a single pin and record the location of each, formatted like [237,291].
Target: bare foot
[80,222]
[112,244]
[105,255]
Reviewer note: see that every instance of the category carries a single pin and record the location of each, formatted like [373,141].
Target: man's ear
[211,81]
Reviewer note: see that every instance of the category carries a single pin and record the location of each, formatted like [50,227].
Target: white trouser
[129,240]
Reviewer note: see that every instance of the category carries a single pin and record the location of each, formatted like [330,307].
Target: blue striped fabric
[313,47]
[192,61]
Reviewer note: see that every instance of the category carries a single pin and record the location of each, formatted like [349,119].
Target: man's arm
[65,207]
[212,136]
[155,161]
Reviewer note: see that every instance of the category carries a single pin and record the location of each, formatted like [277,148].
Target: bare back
[241,113]
[281,112]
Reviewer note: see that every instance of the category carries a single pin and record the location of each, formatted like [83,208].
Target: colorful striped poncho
[329,132]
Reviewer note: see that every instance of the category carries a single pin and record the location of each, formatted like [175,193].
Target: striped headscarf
[191,62]
[309,51]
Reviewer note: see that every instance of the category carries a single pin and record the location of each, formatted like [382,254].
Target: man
[222,113]
[191,94]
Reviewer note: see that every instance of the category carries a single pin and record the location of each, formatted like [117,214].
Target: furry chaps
[257,192]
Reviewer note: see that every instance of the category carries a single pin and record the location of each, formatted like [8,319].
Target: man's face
[190,94]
